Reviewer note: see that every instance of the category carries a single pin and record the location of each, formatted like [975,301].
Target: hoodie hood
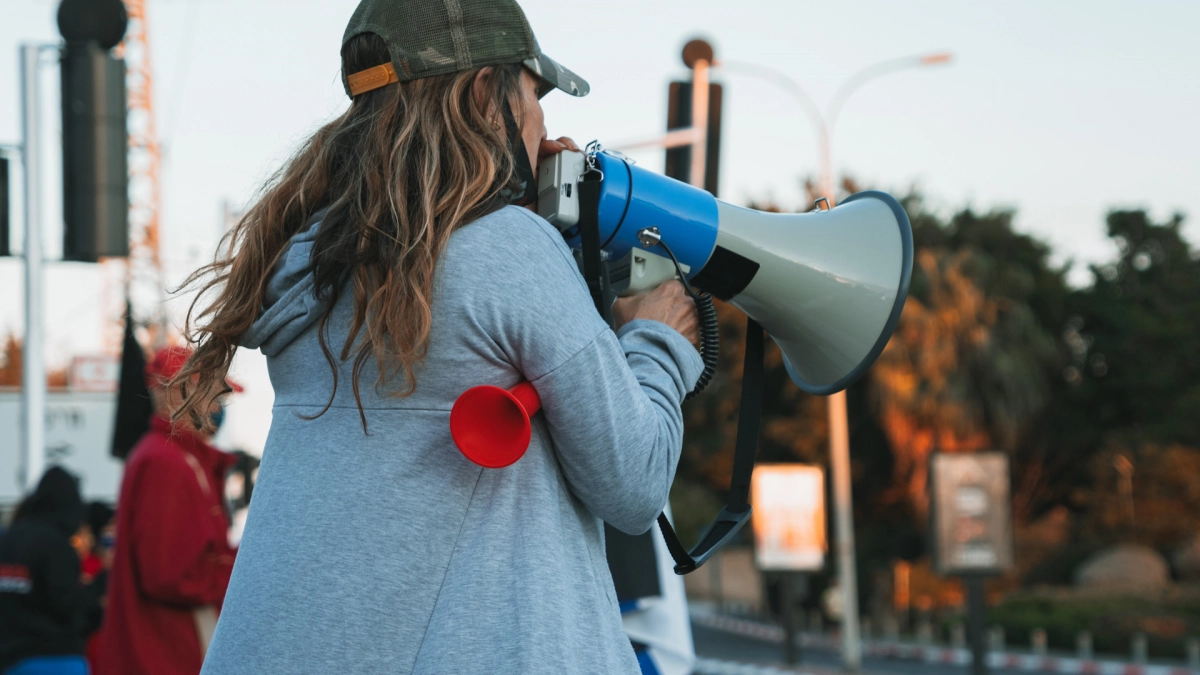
[291,304]
[56,502]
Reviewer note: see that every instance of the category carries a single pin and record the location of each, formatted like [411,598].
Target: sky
[1059,110]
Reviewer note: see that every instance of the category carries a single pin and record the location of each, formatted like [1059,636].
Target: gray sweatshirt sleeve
[613,413]
[611,401]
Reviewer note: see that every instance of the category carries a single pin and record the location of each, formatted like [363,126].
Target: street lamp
[823,124]
[839,431]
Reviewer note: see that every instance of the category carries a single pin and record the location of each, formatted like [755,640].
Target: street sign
[789,517]
[971,513]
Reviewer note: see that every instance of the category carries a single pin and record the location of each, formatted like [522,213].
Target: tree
[1135,369]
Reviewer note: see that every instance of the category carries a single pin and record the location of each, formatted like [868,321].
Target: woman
[42,602]
[387,269]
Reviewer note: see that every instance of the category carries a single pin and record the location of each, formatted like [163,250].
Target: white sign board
[94,373]
[971,512]
[79,429]
[789,517]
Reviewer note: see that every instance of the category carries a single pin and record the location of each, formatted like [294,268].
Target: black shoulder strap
[737,509]
[589,233]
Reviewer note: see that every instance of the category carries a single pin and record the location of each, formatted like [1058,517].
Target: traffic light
[4,250]
[679,116]
[95,140]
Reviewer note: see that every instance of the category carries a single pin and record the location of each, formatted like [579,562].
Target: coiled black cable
[710,329]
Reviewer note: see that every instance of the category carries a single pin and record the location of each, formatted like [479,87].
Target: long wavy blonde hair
[401,170]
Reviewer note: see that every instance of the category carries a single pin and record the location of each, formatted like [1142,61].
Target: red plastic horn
[490,425]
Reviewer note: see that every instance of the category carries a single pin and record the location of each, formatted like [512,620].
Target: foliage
[1162,507]
[1166,621]
[10,365]
[11,360]
[1135,349]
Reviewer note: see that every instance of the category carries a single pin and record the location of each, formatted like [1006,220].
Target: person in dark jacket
[42,602]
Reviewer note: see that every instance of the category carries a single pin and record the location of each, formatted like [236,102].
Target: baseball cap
[436,37]
[167,363]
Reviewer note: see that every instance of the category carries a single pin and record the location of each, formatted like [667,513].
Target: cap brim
[551,71]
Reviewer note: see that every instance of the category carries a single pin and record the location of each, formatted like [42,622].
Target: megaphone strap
[749,416]
[737,508]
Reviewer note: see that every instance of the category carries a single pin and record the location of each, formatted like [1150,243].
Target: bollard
[996,639]
[891,628]
[1138,648]
[1037,641]
[958,636]
[1083,645]
[816,621]
[1193,653]
[925,631]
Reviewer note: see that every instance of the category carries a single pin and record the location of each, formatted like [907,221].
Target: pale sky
[1062,110]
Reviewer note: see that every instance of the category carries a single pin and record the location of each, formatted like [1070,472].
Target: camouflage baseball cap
[435,37]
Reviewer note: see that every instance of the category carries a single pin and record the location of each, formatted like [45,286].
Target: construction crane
[139,278]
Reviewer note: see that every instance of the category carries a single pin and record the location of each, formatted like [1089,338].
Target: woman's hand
[669,303]
[549,147]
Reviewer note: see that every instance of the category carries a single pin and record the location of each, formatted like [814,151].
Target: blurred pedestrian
[42,601]
[101,527]
[172,558]
[392,265]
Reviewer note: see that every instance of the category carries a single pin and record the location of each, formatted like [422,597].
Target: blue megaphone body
[828,286]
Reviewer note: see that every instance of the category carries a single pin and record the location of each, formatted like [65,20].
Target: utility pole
[33,370]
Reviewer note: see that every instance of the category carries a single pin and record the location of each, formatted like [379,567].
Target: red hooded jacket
[172,554]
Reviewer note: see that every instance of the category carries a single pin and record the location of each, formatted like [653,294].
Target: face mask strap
[526,182]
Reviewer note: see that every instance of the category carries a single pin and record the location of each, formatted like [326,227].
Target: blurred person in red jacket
[172,557]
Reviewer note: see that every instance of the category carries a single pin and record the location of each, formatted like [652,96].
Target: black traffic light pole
[95,138]
[99,24]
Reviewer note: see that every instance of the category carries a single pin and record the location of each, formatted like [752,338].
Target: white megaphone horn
[828,286]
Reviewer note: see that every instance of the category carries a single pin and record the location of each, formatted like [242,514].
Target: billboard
[970,510]
[789,517]
[79,427]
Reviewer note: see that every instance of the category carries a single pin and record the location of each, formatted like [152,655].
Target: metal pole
[34,367]
[699,122]
[787,607]
[839,460]
[976,618]
[839,450]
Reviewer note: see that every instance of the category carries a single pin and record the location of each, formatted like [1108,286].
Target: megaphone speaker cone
[828,286]
[491,425]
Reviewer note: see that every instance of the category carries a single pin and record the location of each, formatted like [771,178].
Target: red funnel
[491,426]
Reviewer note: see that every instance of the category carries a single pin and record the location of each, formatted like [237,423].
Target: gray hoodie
[389,552]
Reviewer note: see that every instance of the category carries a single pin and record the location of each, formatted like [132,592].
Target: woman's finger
[549,147]
[568,143]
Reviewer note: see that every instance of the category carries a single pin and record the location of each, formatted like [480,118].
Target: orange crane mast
[139,277]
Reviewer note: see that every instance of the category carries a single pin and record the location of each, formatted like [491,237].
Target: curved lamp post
[839,433]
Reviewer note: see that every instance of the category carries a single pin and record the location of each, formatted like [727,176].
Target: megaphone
[828,285]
